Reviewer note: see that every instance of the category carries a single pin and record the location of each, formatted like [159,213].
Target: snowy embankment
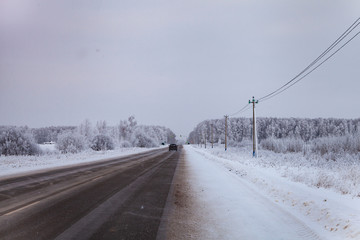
[10,165]
[275,196]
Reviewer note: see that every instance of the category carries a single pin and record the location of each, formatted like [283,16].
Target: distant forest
[240,129]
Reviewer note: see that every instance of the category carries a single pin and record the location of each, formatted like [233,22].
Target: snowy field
[19,164]
[275,196]
[342,175]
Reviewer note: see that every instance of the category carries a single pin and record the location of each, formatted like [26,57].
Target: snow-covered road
[225,202]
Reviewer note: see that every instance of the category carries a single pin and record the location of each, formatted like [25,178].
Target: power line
[267,98]
[331,47]
[243,109]
[345,34]
[295,79]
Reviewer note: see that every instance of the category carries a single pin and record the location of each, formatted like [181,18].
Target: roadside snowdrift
[19,164]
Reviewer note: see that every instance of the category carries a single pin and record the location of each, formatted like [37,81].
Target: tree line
[303,128]
[71,139]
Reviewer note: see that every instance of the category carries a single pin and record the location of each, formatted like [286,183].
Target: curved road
[121,198]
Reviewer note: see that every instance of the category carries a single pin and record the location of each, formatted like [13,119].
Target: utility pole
[205,139]
[226,118]
[212,136]
[255,154]
[201,140]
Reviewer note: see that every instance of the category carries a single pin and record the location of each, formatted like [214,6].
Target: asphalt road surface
[121,198]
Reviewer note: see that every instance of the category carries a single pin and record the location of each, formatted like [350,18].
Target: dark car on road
[172,147]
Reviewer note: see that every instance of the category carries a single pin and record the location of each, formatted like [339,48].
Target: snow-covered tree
[141,139]
[126,134]
[86,130]
[17,141]
[102,142]
[70,142]
[101,127]
[49,134]
[240,129]
[126,129]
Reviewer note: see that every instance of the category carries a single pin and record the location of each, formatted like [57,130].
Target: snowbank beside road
[342,175]
[249,201]
[19,164]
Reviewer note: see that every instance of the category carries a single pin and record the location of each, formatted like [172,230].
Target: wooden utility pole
[201,140]
[212,136]
[226,118]
[205,139]
[254,127]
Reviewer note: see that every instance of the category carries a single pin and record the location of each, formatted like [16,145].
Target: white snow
[47,148]
[10,165]
[250,200]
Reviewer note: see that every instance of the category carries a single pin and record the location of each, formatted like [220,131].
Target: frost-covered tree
[114,134]
[85,129]
[101,127]
[125,144]
[141,139]
[170,136]
[126,129]
[17,141]
[70,142]
[240,129]
[123,130]
[102,142]
[49,134]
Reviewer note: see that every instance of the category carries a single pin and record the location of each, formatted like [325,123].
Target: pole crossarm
[253,101]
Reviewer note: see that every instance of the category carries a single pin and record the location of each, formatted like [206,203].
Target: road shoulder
[185,216]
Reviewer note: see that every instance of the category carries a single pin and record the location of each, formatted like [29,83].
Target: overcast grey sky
[172,63]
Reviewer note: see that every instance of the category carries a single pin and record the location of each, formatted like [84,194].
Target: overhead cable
[266,98]
[243,109]
[321,56]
